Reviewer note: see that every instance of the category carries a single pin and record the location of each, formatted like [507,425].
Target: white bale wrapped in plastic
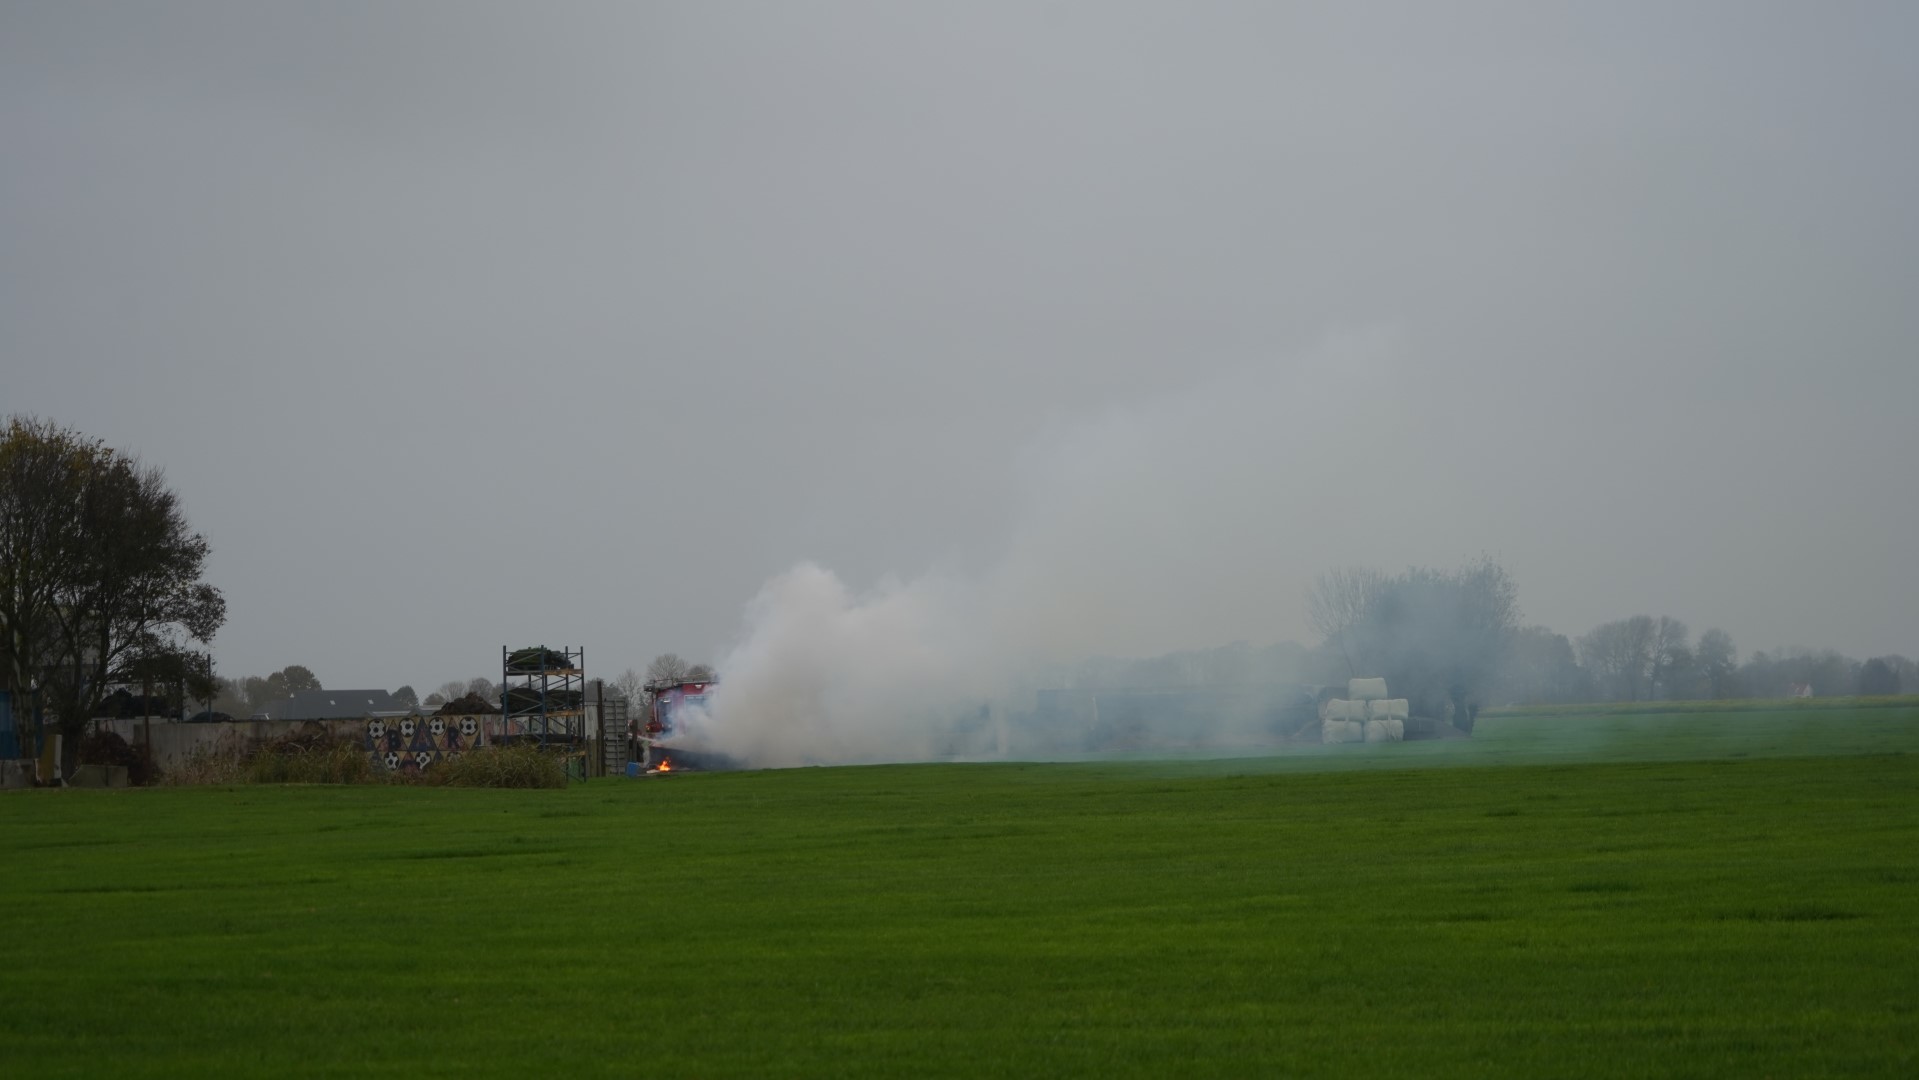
[1341,709]
[1385,730]
[1342,731]
[1388,709]
[1365,689]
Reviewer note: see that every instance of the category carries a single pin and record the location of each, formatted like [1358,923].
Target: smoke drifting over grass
[1189,522]
[825,675]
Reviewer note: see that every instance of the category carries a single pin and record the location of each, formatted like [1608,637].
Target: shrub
[222,763]
[518,766]
[316,758]
[108,748]
[320,758]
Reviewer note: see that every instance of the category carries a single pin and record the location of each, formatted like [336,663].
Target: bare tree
[1338,603]
[1437,636]
[1717,660]
[483,686]
[699,673]
[667,667]
[1620,655]
[230,698]
[433,700]
[1671,656]
[631,685]
[450,690]
[1904,670]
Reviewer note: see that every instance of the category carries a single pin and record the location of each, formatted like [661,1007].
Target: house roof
[333,705]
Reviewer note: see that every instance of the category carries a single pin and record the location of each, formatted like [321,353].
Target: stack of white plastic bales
[1365,714]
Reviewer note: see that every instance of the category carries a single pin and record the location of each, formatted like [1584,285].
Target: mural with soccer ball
[413,743]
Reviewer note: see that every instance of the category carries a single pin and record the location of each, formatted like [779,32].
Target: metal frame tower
[543,696]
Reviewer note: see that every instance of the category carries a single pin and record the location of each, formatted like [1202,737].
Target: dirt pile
[466,705]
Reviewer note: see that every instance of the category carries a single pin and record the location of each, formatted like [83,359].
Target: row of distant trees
[256,693]
[1451,640]
[1647,658]
[664,668]
[252,694]
[243,697]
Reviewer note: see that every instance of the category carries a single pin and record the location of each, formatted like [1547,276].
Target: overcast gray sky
[460,325]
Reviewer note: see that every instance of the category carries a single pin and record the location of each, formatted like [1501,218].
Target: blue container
[9,739]
[632,768]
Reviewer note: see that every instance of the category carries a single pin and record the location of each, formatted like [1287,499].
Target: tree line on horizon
[1452,641]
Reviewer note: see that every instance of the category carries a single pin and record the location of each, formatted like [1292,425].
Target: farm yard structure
[660,729]
[543,699]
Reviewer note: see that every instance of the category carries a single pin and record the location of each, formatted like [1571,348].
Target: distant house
[1799,689]
[334,705]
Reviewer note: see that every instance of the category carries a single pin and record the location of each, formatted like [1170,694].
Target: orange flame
[666,764]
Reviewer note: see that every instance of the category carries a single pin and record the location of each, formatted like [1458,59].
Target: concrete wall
[406,744]
[174,742]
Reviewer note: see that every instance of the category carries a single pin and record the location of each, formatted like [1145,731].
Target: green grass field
[1693,894]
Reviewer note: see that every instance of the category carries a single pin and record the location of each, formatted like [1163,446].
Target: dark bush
[313,757]
[108,748]
[519,766]
[1878,679]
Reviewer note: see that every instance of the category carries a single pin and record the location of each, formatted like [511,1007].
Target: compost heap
[466,705]
[538,658]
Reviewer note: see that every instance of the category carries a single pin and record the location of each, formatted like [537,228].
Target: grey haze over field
[1106,326]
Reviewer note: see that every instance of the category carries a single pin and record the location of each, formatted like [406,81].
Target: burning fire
[666,764]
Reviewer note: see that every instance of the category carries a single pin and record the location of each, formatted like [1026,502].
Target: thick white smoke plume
[824,675]
[1189,523]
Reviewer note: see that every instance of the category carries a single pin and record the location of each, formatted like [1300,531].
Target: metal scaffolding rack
[543,697]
